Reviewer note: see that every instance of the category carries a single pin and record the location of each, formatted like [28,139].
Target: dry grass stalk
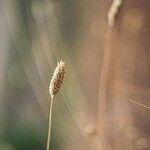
[54,87]
[147,107]
[113,11]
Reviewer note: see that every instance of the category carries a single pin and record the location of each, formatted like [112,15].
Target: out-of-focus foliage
[105,67]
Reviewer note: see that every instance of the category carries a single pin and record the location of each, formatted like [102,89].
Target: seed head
[57,79]
[113,11]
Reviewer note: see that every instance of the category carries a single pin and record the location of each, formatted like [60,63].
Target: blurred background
[106,66]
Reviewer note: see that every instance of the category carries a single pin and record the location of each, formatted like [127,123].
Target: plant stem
[49,126]
[147,107]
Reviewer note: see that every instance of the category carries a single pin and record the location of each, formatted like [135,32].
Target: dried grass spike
[113,11]
[57,79]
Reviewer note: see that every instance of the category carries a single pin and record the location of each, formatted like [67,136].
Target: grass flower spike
[113,11]
[54,87]
[57,79]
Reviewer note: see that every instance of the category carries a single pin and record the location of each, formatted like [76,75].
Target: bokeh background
[105,68]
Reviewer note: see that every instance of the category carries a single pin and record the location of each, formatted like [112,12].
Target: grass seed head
[57,79]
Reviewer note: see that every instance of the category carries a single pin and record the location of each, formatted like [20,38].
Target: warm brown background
[105,68]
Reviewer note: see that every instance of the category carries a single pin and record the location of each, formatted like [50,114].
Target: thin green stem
[49,126]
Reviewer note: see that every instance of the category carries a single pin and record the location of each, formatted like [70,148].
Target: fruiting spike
[57,79]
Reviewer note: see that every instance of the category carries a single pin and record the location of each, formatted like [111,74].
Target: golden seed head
[57,79]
